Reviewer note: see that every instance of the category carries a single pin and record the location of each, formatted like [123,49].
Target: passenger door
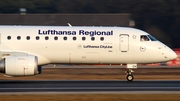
[124,42]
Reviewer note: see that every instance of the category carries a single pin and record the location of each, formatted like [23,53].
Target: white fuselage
[110,45]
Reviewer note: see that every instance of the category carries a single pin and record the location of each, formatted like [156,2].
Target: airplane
[25,49]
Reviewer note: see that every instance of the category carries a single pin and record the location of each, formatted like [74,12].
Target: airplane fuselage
[23,48]
[104,45]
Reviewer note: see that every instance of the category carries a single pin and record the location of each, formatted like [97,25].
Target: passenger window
[144,38]
[9,37]
[65,38]
[92,38]
[74,38]
[55,38]
[102,38]
[37,38]
[28,37]
[46,38]
[83,38]
[18,37]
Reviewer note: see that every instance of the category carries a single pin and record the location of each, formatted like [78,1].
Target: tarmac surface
[93,79]
[87,72]
[88,86]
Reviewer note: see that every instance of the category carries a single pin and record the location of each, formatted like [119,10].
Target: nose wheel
[129,75]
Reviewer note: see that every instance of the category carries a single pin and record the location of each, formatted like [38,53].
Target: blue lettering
[81,32]
[93,33]
[55,32]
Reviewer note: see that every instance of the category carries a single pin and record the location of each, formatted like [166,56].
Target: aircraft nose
[173,55]
[170,54]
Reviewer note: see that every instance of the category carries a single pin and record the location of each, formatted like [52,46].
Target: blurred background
[160,18]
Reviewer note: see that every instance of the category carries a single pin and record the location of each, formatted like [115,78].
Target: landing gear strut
[129,75]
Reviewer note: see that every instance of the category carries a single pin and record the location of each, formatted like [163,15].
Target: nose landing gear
[129,75]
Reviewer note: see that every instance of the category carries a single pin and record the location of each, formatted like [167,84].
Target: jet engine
[20,65]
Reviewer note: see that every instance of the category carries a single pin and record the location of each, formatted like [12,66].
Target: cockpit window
[144,38]
[152,38]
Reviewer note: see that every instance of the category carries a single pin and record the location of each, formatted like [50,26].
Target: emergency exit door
[124,42]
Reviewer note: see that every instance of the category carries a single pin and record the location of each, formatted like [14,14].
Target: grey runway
[87,86]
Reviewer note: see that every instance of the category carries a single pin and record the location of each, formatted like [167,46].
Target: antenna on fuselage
[69,25]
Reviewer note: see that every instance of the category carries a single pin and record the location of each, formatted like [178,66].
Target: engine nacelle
[19,65]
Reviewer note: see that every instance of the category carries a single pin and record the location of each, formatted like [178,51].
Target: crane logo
[142,48]
[79,46]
